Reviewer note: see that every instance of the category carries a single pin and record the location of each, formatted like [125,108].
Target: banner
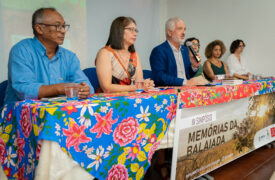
[210,136]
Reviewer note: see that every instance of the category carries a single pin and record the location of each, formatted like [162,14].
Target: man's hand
[83,90]
[193,82]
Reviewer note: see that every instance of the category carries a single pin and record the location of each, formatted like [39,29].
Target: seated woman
[213,65]
[236,62]
[118,64]
[196,46]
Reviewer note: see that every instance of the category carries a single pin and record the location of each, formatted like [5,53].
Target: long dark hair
[235,44]
[115,39]
[191,39]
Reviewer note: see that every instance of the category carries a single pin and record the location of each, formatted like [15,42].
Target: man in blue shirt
[170,61]
[40,67]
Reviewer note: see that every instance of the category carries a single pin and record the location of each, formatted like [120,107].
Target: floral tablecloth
[111,137]
[208,95]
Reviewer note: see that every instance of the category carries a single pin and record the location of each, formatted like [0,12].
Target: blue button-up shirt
[29,67]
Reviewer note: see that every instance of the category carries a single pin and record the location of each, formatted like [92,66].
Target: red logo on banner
[272,130]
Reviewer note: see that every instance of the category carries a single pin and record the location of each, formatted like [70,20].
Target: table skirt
[54,164]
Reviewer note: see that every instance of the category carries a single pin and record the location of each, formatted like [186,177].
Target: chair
[3,87]
[147,74]
[91,74]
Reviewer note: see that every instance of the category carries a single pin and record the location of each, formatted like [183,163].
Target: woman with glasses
[213,65]
[236,62]
[196,46]
[118,64]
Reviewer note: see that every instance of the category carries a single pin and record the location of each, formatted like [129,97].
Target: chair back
[91,74]
[147,74]
[3,87]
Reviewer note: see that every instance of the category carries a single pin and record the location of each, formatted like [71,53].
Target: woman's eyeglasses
[196,44]
[132,29]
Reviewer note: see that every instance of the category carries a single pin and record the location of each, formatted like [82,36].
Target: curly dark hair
[235,44]
[209,48]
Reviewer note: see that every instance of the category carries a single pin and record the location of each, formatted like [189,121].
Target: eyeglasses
[57,26]
[132,29]
[242,46]
[196,44]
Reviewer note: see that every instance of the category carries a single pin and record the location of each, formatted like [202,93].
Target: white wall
[90,22]
[250,20]
[101,14]
[15,25]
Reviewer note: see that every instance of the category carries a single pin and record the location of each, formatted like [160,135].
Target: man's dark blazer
[164,67]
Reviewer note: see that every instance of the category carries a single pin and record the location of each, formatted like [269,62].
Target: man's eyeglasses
[132,29]
[57,26]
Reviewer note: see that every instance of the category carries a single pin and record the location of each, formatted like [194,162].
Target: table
[111,135]
[108,136]
[219,124]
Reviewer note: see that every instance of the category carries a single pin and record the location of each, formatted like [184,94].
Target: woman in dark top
[196,46]
[213,65]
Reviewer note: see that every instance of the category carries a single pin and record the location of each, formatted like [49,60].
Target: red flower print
[152,151]
[153,139]
[118,171]
[69,109]
[104,124]
[38,148]
[133,152]
[20,173]
[172,111]
[25,121]
[2,151]
[20,146]
[7,171]
[126,131]
[9,116]
[75,136]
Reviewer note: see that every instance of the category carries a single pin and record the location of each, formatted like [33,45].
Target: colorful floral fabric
[265,86]
[203,96]
[111,137]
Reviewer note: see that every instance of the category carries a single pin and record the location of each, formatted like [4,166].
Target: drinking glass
[139,85]
[71,91]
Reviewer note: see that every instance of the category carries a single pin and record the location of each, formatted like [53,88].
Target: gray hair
[170,24]
[37,17]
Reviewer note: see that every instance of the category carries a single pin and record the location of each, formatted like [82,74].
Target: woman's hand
[194,62]
[148,84]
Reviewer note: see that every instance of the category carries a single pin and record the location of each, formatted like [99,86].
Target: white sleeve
[231,65]
[243,59]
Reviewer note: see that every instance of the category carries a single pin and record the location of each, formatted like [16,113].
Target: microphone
[189,45]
